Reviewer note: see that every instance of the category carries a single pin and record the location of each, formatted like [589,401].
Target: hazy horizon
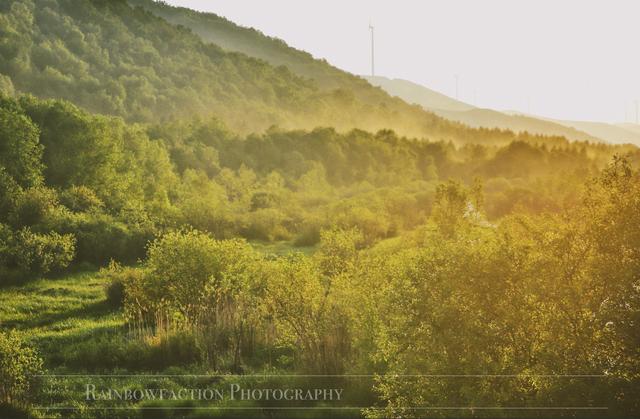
[581,67]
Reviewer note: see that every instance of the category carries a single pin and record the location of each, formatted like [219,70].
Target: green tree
[20,148]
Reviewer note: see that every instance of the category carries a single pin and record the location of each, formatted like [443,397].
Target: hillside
[472,116]
[630,127]
[616,134]
[113,59]
[455,110]
[418,94]
[518,123]
[232,37]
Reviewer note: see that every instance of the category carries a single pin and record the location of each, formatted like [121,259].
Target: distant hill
[630,127]
[518,123]
[455,110]
[613,133]
[418,94]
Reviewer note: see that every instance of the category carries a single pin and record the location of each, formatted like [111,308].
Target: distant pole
[457,77]
[373,68]
[637,122]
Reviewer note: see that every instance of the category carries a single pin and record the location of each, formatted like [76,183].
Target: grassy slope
[59,313]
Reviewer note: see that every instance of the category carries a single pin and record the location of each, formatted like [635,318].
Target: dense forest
[172,209]
[104,187]
[249,41]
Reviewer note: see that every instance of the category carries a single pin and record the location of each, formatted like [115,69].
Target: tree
[20,148]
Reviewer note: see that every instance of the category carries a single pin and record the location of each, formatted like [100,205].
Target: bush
[211,288]
[101,238]
[118,279]
[309,234]
[81,199]
[13,412]
[9,193]
[266,224]
[18,364]
[6,237]
[115,293]
[34,205]
[373,225]
[38,254]
[24,254]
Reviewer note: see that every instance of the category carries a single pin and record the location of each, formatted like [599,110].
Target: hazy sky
[569,59]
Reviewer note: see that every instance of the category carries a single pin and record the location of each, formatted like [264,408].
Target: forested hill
[252,42]
[111,58]
[114,58]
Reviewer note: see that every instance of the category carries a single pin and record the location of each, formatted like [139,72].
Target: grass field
[58,314]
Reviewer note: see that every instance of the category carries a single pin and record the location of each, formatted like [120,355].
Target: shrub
[118,278]
[9,193]
[19,363]
[6,237]
[13,412]
[101,237]
[309,234]
[373,225]
[266,224]
[24,254]
[190,271]
[35,253]
[115,293]
[34,205]
[195,283]
[81,199]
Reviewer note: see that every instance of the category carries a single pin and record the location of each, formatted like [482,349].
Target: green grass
[57,314]
[281,248]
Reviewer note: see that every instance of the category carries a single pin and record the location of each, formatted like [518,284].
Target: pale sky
[565,59]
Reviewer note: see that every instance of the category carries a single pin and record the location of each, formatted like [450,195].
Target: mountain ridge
[475,117]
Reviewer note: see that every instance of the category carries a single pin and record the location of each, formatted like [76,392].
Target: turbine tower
[373,68]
